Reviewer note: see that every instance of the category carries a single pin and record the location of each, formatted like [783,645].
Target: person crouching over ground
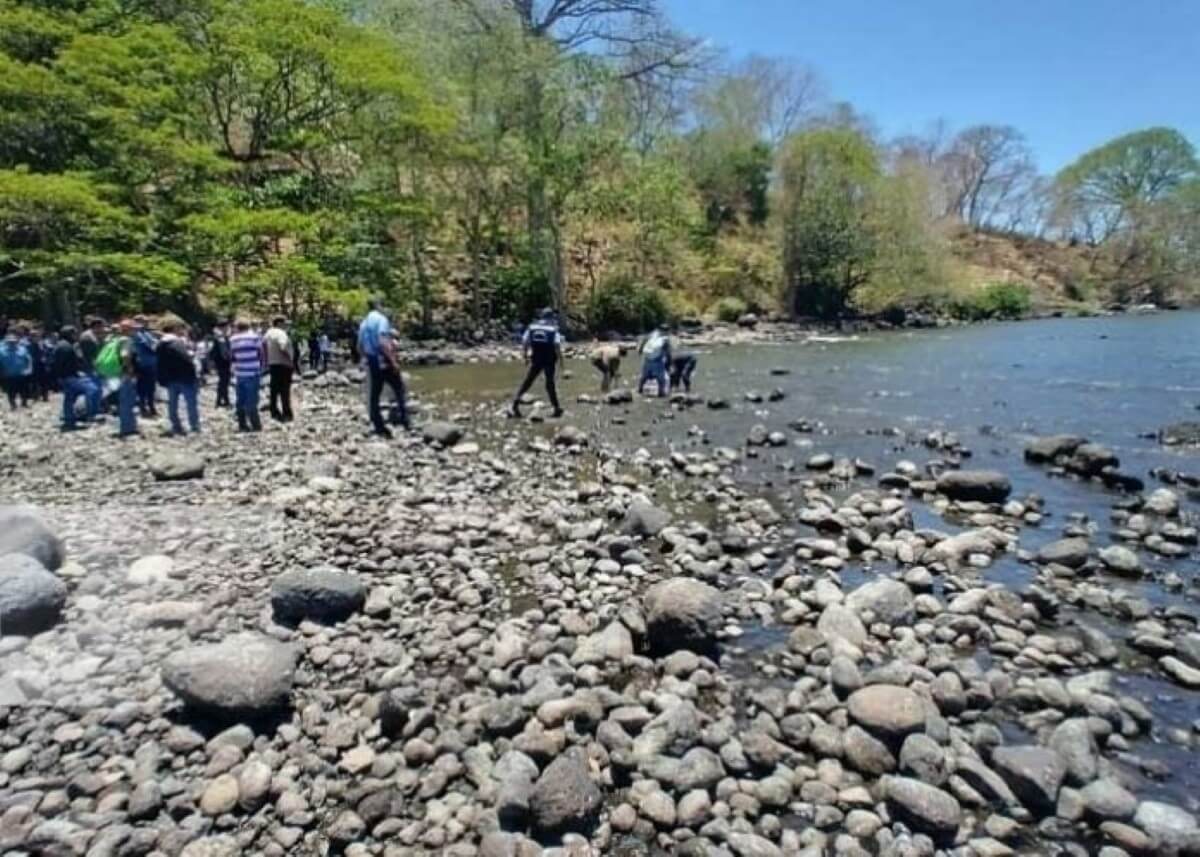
[656,357]
[541,347]
[683,364]
[607,360]
[73,379]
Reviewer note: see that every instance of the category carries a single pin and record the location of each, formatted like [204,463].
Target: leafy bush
[730,309]
[997,300]
[622,305]
[520,291]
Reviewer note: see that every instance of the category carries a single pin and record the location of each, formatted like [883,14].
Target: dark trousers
[16,388]
[681,373]
[538,368]
[146,380]
[222,386]
[381,373]
[39,385]
[281,393]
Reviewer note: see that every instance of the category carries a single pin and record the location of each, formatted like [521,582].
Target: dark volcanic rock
[322,595]
[246,676]
[1044,450]
[981,486]
[23,530]
[564,798]
[682,613]
[31,598]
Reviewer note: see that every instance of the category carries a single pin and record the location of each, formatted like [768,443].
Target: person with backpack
[106,370]
[656,357]
[221,356]
[15,368]
[73,379]
[145,348]
[541,348]
[177,372]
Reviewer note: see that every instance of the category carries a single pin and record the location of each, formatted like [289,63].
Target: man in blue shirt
[16,367]
[377,345]
[541,346]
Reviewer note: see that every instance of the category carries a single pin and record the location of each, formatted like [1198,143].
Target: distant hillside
[1059,275]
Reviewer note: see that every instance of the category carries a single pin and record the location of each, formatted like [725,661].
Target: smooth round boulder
[31,598]
[979,486]
[1120,560]
[319,595]
[924,808]
[442,433]
[644,519]
[24,530]
[1034,773]
[244,677]
[890,600]
[889,712]
[176,466]
[1071,553]
[682,613]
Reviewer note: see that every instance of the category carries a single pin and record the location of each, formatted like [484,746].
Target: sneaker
[558,412]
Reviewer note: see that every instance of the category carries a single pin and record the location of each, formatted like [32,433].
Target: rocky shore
[490,638]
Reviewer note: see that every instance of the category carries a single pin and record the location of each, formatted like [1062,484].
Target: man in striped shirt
[246,349]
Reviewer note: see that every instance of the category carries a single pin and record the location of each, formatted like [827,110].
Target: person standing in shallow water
[541,347]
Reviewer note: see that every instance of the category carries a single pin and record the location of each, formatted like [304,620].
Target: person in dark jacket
[177,372]
[683,364]
[145,347]
[73,379]
[541,346]
[222,360]
[39,377]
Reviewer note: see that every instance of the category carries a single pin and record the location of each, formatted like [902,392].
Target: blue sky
[1070,75]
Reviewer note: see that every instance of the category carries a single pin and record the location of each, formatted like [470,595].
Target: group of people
[122,367]
[542,343]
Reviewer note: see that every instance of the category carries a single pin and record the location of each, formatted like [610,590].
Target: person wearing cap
[656,357]
[280,368]
[541,347]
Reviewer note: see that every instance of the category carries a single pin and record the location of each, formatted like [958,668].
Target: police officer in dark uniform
[541,347]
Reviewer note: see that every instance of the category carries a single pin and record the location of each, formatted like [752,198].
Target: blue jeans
[72,389]
[655,370]
[127,405]
[246,401]
[189,391]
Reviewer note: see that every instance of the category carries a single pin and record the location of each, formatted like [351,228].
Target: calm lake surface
[1113,380]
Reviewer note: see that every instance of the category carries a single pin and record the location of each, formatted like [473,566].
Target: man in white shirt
[280,369]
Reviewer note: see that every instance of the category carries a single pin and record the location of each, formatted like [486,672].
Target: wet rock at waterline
[245,677]
[979,486]
[682,614]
